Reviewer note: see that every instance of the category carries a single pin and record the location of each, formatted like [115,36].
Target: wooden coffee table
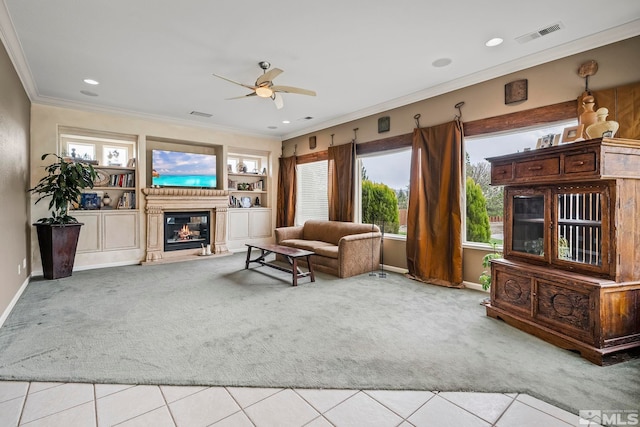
[291,255]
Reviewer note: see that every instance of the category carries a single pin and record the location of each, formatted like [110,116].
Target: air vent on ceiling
[542,32]
[200,114]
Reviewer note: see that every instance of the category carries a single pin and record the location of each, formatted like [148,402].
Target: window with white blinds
[311,200]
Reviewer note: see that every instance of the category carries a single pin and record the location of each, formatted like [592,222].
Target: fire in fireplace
[186,230]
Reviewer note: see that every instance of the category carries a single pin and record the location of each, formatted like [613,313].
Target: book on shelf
[127,201]
[122,180]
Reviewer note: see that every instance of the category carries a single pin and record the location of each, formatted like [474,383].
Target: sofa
[343,249]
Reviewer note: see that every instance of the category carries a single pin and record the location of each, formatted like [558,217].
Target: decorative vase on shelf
[588,116]
[602,127]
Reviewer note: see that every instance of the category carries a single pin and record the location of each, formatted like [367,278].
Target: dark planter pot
[58,245]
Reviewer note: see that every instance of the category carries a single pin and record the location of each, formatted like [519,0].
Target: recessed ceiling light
[91,82]
[88,93]
[286,122]
[494,42]
[442,62]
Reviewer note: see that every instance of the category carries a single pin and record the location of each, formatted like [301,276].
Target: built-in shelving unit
[247,185]
[250,216]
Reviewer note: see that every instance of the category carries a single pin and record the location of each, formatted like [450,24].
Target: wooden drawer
[501,174]
[543,168]
[580,163]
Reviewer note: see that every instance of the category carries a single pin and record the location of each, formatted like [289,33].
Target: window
[114,156]
[484,203]
[311,198]
[106,151]
[253,164]
[384,189]
[81,151]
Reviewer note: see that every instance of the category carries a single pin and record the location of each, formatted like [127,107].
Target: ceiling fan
[265,88]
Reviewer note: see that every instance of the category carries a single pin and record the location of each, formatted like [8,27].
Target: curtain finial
[417,119]
[332,139]
[459,105]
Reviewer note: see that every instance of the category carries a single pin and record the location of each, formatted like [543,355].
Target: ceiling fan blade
[243,96]
[269,76]
[277,99]
[234,82]
[291,89]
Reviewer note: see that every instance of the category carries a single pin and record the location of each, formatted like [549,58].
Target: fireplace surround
[190,202]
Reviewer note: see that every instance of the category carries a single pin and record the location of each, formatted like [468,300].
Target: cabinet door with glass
[526,224]
[581,227]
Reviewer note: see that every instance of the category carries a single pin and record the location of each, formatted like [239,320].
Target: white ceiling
[155,58]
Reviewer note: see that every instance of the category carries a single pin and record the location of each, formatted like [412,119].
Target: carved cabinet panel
[565,308]
[512,291]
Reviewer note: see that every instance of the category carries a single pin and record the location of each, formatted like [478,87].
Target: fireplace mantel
[159,200]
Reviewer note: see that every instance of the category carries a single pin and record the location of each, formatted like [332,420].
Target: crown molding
[63,103]
[14,50]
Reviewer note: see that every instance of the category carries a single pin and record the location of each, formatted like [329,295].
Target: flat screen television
[179,169]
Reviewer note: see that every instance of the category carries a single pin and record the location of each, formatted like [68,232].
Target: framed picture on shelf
[572,133]
[245,202]
[548,141]
[89,201]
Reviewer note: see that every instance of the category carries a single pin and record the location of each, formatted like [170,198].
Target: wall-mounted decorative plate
[102,178]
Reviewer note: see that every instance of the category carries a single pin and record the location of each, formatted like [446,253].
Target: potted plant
[485,277]
[58,233]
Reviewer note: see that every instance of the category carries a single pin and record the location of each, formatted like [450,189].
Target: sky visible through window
[483,147]
[390,169]
[393,169]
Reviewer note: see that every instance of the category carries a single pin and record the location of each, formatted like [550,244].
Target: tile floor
[73,404]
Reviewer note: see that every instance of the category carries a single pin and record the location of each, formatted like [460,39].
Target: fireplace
[186,230]
[192,203]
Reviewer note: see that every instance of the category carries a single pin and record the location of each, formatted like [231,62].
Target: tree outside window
[385,190]
[484,202]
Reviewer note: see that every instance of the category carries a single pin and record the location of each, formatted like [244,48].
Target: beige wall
[45,121]
[14,175]
[549,83]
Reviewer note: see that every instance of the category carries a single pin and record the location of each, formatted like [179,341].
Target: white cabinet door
[120,230]
[250,223]
[260,223]
[90,239]
[238,224]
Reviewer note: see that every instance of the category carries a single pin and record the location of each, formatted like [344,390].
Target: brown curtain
[340,182]
[286,209]
[434,218]
[623,103]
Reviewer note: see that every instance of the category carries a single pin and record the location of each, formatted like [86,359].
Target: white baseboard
[393,269]
[474,286]
[13,302]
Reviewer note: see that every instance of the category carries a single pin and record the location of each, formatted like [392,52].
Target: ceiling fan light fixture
[264,92]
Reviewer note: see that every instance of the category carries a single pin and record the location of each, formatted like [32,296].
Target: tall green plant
[63,184]
[485,277]
[478,228]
